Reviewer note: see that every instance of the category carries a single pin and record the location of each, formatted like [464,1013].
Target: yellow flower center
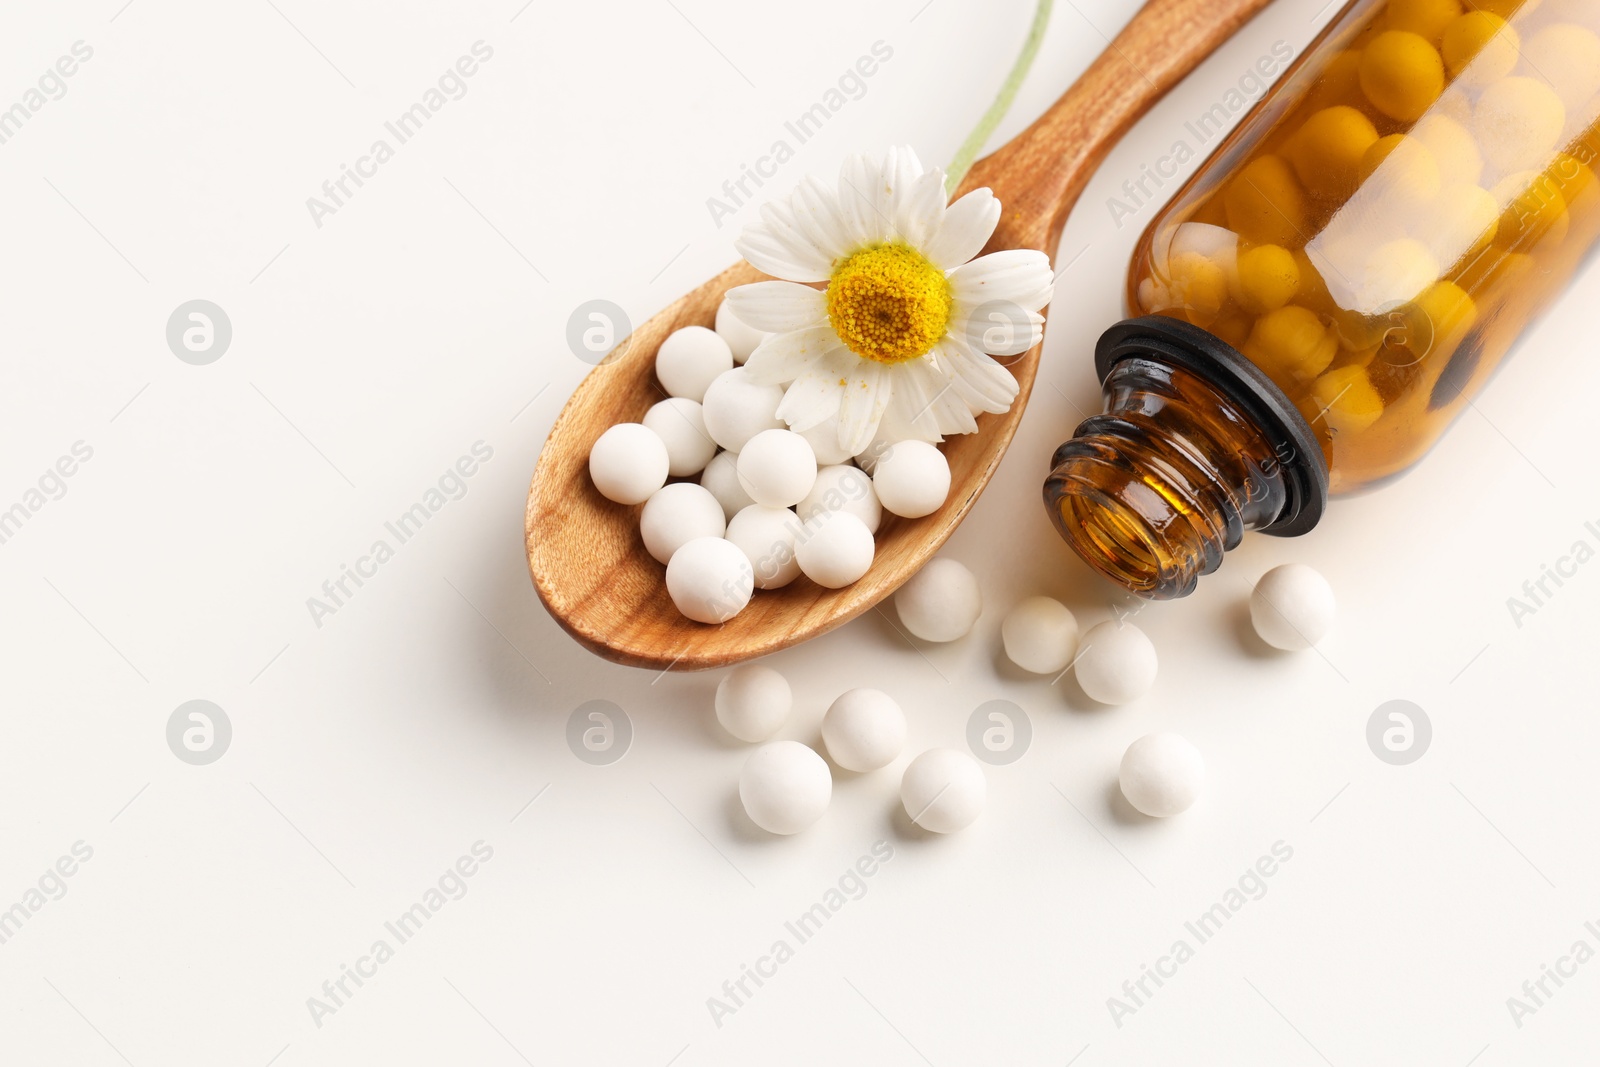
[888,304]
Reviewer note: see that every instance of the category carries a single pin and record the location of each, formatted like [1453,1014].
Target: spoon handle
[1040,173]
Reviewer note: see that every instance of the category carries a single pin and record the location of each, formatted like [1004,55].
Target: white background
[371,752]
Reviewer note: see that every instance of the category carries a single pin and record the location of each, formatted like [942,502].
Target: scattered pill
[777,468]
[843,487]
[690,359]
[628,462]
[943,790]
[721,477]
[912,479]
[677,514]
[1040,635]
[941,602]
[864,729]
[753,702]
[679,423]
[710,580]
[1116,663]
[766,536]
[834,549]
[736,408]
[785,787]
[742,339]
[1162,774]
[1292,607]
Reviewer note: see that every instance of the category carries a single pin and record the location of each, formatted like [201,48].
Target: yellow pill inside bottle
[1402,74]
[1327,150]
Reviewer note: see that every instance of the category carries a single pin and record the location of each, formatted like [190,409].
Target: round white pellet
[835,549]
[1162,774]
[679,423]
[1116,663]
[628,462]
[690,359]
[785,787]
[1292,607]
[766,536]
[824,438]
[843,488]
[710,580]
[753,702]
[912,479]
[677,514]
[721,477]
[940,602]
[742,340]
[777,468]
[943,790]
[864,730]
[1040,635]
[736,408]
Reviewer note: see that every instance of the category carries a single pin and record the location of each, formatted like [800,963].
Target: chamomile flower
[897,343]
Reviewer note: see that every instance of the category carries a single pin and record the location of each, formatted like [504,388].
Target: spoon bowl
[587,561]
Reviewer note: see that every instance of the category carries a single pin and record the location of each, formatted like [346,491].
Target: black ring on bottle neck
[1187,347]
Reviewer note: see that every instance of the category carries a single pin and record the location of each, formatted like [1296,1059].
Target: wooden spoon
[584,552]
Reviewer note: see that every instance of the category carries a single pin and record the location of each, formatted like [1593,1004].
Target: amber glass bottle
[1333,286]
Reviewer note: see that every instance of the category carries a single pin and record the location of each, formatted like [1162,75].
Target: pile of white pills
[770,504]
[786,786]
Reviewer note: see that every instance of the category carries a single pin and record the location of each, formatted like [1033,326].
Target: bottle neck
[1153,492]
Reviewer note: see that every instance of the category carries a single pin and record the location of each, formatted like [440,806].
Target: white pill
[940,602]
[753,702]
[710,580]
[742,340]
[843,487]
[679,423]
[785,787]
[690,359]
[777,468]
[1116,663]
[1040,635]
[677,514]
[912,479]
[1162,774]
[766,536]
[824,438]
[943,790]
[864,730]
[628,462]
[834,549]
[721,477]
[736,408]
[1292,607]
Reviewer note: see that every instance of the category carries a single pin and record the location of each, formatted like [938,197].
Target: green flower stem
[968,152]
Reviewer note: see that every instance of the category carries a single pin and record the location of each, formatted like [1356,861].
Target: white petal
[812,399]
[1019,276]
[866,396]
[901,171]
[771,254]
[816,213]
[783,357]
[964,230]
[922,209]
[978,380]
[864,200]
[927,399]
[1000,329]
[778,307]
